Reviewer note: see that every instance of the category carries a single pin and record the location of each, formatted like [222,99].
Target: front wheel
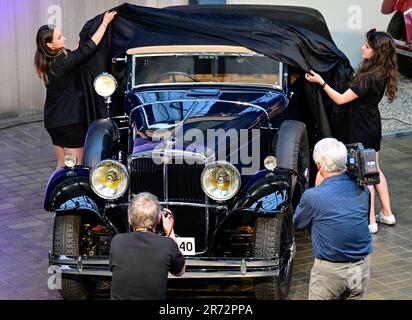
[273,238]
[66,241]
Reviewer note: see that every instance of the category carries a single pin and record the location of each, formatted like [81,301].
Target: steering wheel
[173,74]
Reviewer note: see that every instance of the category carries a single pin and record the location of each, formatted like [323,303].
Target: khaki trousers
[336,280]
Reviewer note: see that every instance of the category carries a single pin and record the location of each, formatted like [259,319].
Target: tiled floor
[27,160]
[391,276]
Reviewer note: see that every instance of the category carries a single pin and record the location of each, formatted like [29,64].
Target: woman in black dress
[377,73]
[64,114]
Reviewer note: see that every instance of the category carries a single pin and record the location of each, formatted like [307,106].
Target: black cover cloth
[280,32]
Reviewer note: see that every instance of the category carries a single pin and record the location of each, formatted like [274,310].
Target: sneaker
[387,219]
[373,228]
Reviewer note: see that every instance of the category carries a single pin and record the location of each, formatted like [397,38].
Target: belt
[348,261]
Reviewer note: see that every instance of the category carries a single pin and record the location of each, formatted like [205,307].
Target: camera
[362,166]
[166,213]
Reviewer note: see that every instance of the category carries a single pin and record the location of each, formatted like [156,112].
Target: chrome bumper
[196,267]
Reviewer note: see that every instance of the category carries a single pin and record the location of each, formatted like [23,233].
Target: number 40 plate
[186,246]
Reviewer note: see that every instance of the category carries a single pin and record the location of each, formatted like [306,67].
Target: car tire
[100,142]
[66,241]
[292,148]
[272,238]
[396,29]
[275,235]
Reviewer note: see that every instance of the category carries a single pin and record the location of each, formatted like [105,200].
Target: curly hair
[382,64]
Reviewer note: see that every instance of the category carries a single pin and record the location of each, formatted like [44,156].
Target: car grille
[183,180]
[183,186]
[146,176]
[192,222]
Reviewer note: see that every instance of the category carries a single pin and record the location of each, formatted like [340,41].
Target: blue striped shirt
[338,211]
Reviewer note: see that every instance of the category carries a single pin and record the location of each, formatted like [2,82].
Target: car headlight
[109,179]
[270,163]
[105,85]
[220,180]
[70,161]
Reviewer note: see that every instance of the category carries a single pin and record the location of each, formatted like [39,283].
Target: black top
[64,99]
[365,120]
[140,262]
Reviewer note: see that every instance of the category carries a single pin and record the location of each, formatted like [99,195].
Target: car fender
[100,142]
[267,194]
[408,24]
[404,6]
[73,181]
[389,6]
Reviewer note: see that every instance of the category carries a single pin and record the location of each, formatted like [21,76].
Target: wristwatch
[323,85]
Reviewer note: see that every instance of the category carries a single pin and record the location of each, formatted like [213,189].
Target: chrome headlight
[220,180]
[109,179]
[105,85]
[270,163]
[70,161]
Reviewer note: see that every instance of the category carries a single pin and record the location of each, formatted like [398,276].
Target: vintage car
[219,134]
[400,28]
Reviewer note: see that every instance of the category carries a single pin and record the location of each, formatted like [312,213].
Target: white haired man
[337,210]
[141,260]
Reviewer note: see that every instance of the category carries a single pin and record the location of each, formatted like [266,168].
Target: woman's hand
[98,35]
[108,17]
[314,77]
[337,97]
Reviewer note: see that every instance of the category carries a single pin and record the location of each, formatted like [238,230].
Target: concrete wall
[348,20]
[21,91]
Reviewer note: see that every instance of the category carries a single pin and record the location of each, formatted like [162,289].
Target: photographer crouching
[337,210]
[140,260]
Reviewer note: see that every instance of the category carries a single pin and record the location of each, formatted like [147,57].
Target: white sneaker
[373,228]
[387,219]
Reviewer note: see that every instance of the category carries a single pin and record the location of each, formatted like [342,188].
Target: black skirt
[359,123]
[71,136]
[366,127]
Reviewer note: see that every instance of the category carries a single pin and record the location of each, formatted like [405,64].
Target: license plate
[186,246]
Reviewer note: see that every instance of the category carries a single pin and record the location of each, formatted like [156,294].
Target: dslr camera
[362,166]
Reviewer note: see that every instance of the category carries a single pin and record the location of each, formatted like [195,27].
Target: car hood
[199,125]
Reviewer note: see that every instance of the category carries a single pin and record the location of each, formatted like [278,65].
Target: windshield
[200,114]
[206,68]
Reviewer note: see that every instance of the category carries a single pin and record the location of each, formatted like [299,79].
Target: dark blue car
[220,134]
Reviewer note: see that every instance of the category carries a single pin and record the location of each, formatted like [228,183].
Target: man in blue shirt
[338,212]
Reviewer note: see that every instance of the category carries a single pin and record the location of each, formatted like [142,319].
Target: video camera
[362,166]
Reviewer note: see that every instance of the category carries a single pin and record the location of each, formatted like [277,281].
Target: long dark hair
[44,56]
[382,64]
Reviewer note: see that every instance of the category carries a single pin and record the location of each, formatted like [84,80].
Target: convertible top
[293,35]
